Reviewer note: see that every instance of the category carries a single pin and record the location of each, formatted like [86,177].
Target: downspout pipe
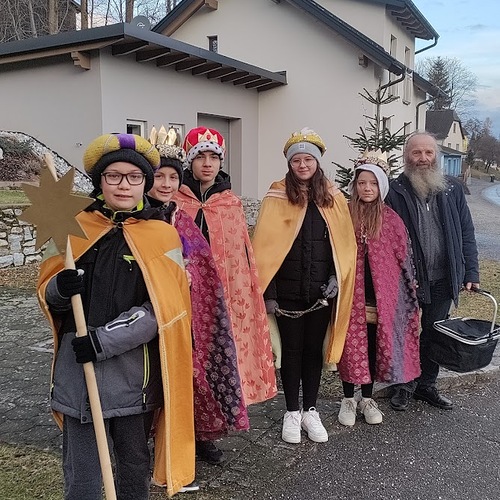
[417,109]
[429,47]
[393,82]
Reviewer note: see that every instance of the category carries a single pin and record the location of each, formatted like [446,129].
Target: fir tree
[374,136]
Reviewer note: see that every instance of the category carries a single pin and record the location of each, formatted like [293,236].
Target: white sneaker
[291,427]
[311,423]
[347,413]
[369,409]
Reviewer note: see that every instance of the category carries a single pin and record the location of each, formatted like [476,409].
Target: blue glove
[331,288]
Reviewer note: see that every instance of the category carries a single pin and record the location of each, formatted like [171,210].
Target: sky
[470,31]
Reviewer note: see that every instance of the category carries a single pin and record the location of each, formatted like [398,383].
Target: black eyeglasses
[115,178]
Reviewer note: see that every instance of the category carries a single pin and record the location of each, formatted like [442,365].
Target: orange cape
[233,255]
[156,248]
[277,227]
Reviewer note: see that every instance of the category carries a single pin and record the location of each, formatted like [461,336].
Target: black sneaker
[401,399]
[431,395]
[189,488]
[208,452]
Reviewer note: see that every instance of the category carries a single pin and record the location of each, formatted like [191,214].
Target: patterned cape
[233,254]
[398,328]
[218,399]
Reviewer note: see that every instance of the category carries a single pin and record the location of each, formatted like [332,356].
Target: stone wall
[17,240]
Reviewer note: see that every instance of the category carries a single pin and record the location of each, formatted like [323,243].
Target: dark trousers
[127,440]
[302,353]
[438,309]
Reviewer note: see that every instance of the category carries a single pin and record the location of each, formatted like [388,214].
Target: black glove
[331,288]
[70,282]
[271,306]
[86,347]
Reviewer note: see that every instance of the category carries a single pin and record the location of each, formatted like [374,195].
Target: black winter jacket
[458,230]
[307,266]
[222,183]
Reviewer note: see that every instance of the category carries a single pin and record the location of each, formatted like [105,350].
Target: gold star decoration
[53,209]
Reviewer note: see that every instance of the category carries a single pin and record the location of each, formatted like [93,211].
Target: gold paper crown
[167,143]
[373,157]
[305,135]
[162,136]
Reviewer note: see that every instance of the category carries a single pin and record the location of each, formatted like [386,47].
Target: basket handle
[488,294]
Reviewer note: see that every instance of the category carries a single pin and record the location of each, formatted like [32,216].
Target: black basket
[465,344]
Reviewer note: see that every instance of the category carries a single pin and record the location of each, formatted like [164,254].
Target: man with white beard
[435,212]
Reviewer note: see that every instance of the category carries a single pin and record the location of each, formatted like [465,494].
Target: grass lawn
[27,473]
[478,306]
[9,197]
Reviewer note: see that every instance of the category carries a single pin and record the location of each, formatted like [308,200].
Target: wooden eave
[145,47]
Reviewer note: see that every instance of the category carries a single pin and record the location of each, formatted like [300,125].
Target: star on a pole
[53,209]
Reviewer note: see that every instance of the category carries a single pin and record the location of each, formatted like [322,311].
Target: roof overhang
[127,40]
[180,14]
[407,14]
[371,49]
[426,86]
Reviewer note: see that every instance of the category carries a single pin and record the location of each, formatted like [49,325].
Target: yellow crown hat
[374,157]
[299,143]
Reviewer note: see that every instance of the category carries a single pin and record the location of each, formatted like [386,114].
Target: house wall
[162,96]
[54,101]
[324,77]
[454,139]
[65,107]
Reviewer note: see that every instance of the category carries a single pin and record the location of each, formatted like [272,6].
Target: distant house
[256,70]
[446,127]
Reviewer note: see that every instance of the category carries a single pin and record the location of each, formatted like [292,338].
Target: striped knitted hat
[130,148]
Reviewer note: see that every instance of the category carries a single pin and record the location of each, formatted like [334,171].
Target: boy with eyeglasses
[206,196]
[135,294]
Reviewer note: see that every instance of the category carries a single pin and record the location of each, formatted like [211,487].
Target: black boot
[208,452]
[401,398]
[431,395]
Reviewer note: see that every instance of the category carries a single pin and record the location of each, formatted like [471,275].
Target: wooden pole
[90,379]
[95,402]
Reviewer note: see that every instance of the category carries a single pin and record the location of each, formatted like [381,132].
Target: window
[454,127]
[136,127]
[449,145]
[213,43]
[392,51]
[458,147]
[408,81]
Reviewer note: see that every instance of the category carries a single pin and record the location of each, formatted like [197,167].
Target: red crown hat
[203,139]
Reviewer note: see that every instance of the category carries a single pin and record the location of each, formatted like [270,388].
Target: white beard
[425,182]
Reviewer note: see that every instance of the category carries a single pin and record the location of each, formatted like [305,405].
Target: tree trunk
[84,15]
[52,16]
[129,10]
[32,19]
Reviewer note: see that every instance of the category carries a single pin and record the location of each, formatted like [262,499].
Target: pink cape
[398,328]
[235,262]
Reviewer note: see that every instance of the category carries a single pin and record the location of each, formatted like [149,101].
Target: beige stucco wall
[454,139]
[54,101]
[324,77]
[162,95]
[62,106]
